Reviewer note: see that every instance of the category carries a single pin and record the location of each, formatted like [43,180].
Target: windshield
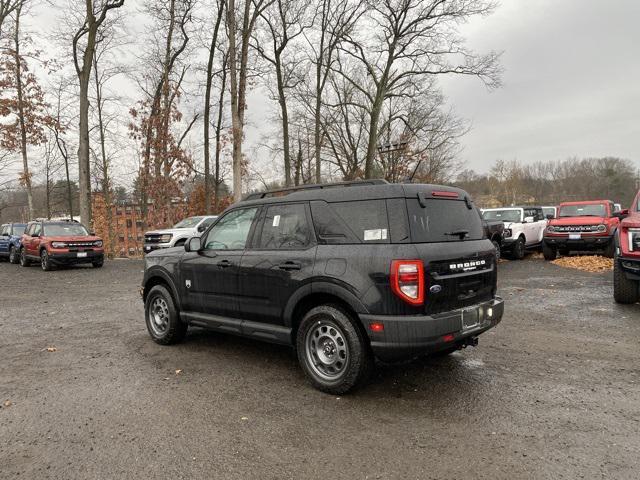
[18,229]
[70,230]
[443,221]
[511,215]
[589,210]
[188,222]
[549,211]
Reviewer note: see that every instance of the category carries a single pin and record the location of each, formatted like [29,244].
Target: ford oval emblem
[435,288]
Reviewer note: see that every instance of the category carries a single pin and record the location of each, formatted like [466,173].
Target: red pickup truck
[626,268]
[582,226]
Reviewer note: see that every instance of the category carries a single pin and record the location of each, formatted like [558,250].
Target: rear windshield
[443,220]
[18,229]
[502,215]
[589,210]
[70,230]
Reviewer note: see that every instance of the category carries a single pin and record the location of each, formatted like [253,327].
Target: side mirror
[194,244]
[550,216]
[92,233]
[202,228]
[528,220]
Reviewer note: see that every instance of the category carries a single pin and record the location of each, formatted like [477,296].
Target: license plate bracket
[470,318]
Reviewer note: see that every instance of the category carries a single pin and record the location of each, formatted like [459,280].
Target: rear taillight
[407,280]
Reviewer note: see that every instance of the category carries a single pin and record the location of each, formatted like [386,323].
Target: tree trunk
[282,100]
[372,145]
[21,119]
[223,86]
[207,112]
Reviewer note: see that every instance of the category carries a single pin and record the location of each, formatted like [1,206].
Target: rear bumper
[71,258]
[585,243]
[630,267]
[405,337]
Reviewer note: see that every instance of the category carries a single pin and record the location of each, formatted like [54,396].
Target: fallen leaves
[178,371]
[51,349]
[586,263]
[7,404]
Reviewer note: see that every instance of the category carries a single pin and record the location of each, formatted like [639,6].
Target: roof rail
[316,186]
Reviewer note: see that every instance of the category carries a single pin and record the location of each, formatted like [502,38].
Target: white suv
[523,228]
[178,235]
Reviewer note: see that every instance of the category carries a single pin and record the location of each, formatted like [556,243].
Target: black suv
[342,272]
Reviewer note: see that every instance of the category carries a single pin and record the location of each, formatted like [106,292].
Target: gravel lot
[553,392]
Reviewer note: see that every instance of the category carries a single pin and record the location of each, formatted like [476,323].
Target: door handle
[224,264]
[290,266]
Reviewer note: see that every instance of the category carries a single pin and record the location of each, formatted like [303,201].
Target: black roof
[350,191]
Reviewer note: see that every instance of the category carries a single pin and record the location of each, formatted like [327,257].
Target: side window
[285,227]
[5,229]
[231,232]
[367,219]
[37,229]
[205,224]
[539,215]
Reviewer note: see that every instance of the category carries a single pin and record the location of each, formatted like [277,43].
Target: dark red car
[582,226]
[626,269]
[60,243]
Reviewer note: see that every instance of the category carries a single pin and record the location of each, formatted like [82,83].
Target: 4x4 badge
[188,283]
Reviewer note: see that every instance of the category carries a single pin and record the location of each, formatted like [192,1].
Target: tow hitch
[470,342]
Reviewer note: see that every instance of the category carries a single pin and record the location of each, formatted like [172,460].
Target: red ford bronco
[626,268]
[582,226]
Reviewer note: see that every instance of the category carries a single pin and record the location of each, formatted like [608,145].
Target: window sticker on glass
[276,220]
[375,234]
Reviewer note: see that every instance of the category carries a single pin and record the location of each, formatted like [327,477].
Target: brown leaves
[586,263]
[51,349]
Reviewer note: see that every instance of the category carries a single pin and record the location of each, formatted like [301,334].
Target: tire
[45,261]
[98,263]
[24,261]
[162,317]
[610,251]
[519,249]
[624,290]
[180,243]
[549,253]
[333,352]
[14,255]
[496,244]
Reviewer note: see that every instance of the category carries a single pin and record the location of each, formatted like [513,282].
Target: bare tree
[412,39]
[84,45]
[241,21]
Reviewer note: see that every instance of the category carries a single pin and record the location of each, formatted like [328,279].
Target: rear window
[443,220]
[589,210]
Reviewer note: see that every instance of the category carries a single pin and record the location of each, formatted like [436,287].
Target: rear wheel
[624,290]
[332,350]
[496,245]
[162,318]
[610,251]
[14,256]
[549,253]
[519,249]
[24,261]
[45,261]
[98,263]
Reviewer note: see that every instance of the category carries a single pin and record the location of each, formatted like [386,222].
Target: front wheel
[24,261]
[332,350]
[610,251]
[98,263]
[624,290]
[14,256]
[45,261]
[496,245]
[162,318]
[549,253]
[519,249]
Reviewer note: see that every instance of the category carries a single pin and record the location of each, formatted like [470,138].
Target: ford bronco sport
[582,226]
[626,267]
[342,272]
[10,237]
[60,243]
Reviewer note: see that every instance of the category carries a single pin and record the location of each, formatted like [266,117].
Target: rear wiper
[458,233]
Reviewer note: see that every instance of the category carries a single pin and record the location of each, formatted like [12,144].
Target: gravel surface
[552,392]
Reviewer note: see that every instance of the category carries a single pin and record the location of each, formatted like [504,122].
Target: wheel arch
[160,277]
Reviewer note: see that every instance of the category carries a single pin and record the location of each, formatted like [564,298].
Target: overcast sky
[571,82]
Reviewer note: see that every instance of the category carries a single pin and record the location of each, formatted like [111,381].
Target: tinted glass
[506,215]
[366,219]
[443,221]
[204,225]
[285,226]
[188,222]
[589,210]
[18,230]
[69,230]
[330,228]
[549,211]
[231,232]
[37,229]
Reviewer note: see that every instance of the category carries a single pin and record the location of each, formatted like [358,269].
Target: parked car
[60,243]
[626,267]
[582,226]
[342,272]
[550,212]
[10,236]
[179,234]
[494,231]
[523,228]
